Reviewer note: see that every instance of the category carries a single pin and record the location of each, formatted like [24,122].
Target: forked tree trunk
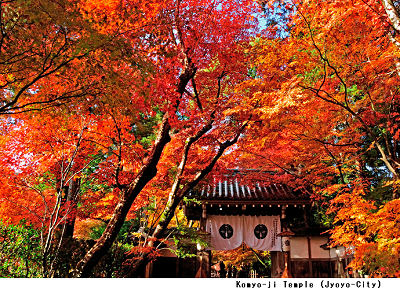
[131,191]
[129,194]
[179,191]
[177,194]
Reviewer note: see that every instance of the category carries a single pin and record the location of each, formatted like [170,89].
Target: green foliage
[190,201]
[145,130]
[319,215]
[186,241]
[128,226]
[263,266]
[151,206]
[73,250]
[20,251]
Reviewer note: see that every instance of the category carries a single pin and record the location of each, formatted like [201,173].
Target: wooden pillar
[277,263]
[208,263]
[310,257]
[177,267]
[344,262]
[288,267]
[341,273]
[283,218]
[148,271]
[305,209]
[203,261]
[203,219]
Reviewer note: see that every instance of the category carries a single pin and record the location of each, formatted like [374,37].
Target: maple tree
[111,107]
[53,55]
[172,63]
[244,255]
[204,60]
[326,98]
[56,162]
[45,153]
[42,43]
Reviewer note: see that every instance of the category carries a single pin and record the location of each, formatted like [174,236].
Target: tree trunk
[73,190]
[129,194]
[392,14]
[176,197]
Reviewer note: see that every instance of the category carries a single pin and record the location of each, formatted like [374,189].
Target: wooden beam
[261,202]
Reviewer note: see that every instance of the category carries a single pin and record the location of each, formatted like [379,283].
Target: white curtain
[226,231]
[258,232]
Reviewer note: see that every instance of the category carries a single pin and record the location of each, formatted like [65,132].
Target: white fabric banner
[258,232]
[226,231]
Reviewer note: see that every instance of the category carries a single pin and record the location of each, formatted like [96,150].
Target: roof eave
[261,202]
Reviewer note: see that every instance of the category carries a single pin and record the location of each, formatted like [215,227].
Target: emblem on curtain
[261,231]
[226,231]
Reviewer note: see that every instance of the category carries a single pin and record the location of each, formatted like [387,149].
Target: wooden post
[177,267]
[286,273]
[310,257]
[277,264]
[148,271]
[286,249]
[200,271]
[203,219]
[305,216]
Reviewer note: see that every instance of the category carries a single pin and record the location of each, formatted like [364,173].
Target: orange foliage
[115,69]
[238,256]
[84,227]
[317,104]
[325,102]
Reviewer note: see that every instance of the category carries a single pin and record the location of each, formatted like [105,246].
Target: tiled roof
[230,190]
